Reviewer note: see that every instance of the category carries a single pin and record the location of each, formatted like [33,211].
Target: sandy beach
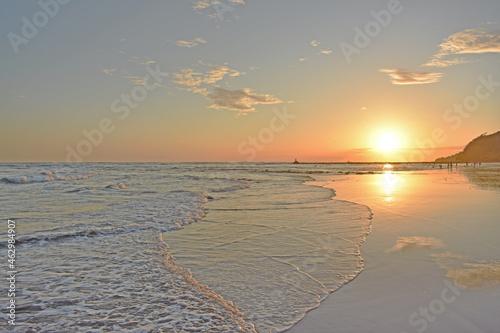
[250,166]
[431,260]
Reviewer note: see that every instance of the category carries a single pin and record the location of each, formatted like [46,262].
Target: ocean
[178,247]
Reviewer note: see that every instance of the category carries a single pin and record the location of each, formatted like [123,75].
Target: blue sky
[227,68]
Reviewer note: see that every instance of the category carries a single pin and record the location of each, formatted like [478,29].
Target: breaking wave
[46,177]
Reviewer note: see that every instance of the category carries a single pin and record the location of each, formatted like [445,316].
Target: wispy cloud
[190,79]
[239,100]
[470,41]
[315,43]
[220,7]
[217,74]
[324,50]
[136,80]
[148,61]
[142,60]
[400,76]
[138,63]
[108,71]
[190,43]
[440,62]
[196,82]
[201,4]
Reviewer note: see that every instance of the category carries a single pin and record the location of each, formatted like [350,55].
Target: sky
[246,81]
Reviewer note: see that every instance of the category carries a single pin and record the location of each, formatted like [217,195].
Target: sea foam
[46,177]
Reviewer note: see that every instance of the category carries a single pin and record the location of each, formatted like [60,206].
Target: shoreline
[420,227]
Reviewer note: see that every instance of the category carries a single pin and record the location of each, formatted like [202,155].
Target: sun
[388,141]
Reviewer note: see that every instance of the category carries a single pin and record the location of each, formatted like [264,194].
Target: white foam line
[300,271]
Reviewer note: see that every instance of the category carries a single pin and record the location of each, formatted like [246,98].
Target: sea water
[201,247]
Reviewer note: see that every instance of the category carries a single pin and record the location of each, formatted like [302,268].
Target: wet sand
[432,260]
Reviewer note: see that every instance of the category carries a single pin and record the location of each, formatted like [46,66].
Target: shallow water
[178,247]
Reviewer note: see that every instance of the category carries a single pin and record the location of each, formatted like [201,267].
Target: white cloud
[440,62]
[470,41]
[220,7]
[190,43]
[315,43]
[142,60]
[194,81]
[324,50]
[188,77]
[217,74]
[148,61]
[135,79]
[201,4]
[402,77]
[239,100]
[108,71]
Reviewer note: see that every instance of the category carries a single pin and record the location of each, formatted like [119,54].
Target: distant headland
[484,148]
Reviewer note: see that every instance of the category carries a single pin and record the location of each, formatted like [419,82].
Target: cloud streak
[136,80]
[219,6]
[202,4]
[241,100]
[470,41]
[325,51]
[191,43]
[196,82]
[108,71]
[400,76]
